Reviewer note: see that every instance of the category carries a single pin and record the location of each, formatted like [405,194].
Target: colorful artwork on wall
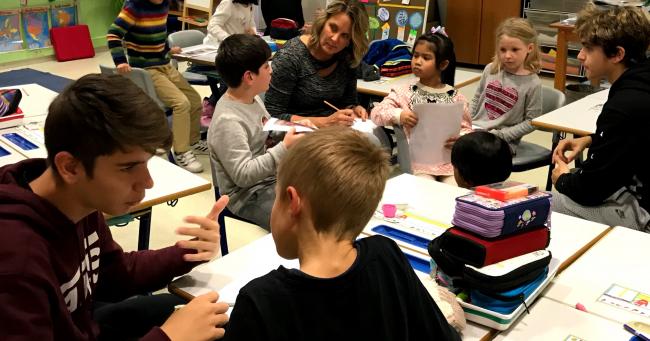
[35,27]
[10,39]
[63,16]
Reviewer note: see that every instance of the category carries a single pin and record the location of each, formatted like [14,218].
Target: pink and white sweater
[404,97]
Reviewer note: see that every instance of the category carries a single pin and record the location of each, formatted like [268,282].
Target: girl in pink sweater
[434,62]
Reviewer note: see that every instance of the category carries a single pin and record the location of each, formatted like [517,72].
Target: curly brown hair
[625,27]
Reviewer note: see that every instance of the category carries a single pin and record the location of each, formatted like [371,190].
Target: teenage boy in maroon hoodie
[57,256]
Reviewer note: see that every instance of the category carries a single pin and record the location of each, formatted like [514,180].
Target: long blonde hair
[521,29]
[358,39]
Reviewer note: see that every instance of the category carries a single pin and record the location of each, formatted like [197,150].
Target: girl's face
[335,35]
[512,53]
[423,62]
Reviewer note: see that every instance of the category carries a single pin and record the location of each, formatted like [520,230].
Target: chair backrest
[403,154]
[141,78]
[185,38]
[552,99]
[221,219]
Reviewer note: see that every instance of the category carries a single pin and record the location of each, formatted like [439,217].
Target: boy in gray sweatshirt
[243,165]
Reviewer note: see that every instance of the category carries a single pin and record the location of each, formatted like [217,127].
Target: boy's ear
[295,202]
[70,169]
[444,65]
[619,56]
[530,47]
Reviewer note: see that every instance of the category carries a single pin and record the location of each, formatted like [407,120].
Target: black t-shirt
[378,298]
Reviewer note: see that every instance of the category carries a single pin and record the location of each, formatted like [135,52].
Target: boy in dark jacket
[613,185]
[57,256]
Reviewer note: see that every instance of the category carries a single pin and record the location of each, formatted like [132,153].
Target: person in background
[480,158]
[509,94]
[321,66]
[434,63]
[613,185]
[273,9]
[141,26]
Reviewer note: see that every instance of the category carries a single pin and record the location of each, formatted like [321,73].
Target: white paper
[367,127]
[401,33]
[274,124]
[437,122]
[197,50]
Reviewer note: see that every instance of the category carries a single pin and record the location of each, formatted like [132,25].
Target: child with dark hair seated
[480,158]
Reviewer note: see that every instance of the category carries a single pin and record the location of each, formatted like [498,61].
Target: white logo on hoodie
[86,272]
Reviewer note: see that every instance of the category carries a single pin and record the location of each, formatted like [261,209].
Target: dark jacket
[617,156]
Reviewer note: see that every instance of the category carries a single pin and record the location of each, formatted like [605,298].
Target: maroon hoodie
[51,269]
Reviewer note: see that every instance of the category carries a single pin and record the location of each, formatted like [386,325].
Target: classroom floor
[166,219]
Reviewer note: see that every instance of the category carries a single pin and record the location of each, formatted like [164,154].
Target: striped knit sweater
[141,26]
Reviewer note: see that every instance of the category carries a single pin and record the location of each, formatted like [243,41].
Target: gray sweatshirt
[238,150]
[504,104]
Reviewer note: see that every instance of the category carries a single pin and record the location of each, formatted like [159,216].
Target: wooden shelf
[193,22]
[176,13]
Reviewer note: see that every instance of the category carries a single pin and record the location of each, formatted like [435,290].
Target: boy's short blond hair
[627,27]
[341,174]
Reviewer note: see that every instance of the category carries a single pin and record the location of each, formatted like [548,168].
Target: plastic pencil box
[503,321]
[492,218]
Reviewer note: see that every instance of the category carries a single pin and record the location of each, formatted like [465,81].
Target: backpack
[9,99]
[283,29]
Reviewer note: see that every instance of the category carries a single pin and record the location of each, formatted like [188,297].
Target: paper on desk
[274,124]
[437,122]
[197,50]
[367,127]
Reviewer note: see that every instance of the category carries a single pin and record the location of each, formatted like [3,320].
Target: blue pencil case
[507,301]
[491,218]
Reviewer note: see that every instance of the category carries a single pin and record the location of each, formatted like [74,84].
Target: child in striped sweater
[434,62]
[142,27]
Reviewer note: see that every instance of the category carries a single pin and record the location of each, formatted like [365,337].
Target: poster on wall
[63,16]
[37,33]
[10,39]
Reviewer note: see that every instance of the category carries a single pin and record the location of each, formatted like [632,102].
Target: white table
[551,320]
[577,118]
[621,257]
[382,86]
[435,202]
[36,99]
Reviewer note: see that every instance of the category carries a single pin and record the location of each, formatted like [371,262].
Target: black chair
[530,155]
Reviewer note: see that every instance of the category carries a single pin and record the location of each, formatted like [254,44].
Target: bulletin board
[401,19]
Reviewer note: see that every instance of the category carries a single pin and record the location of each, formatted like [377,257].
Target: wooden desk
[577,118]
[621,257]
[551,320]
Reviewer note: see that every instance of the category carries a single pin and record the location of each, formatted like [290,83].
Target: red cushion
[72,42]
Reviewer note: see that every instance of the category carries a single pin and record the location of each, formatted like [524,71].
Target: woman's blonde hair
[521,29]
[358,38]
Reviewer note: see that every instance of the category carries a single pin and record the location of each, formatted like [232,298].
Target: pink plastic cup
[389,210]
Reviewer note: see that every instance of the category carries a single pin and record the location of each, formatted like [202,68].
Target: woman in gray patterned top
[321,66]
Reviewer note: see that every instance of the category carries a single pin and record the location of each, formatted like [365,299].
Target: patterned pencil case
[492,218]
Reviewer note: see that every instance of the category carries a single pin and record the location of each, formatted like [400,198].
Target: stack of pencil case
[513,233]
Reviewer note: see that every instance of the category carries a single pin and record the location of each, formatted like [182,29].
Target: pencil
[331,105]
